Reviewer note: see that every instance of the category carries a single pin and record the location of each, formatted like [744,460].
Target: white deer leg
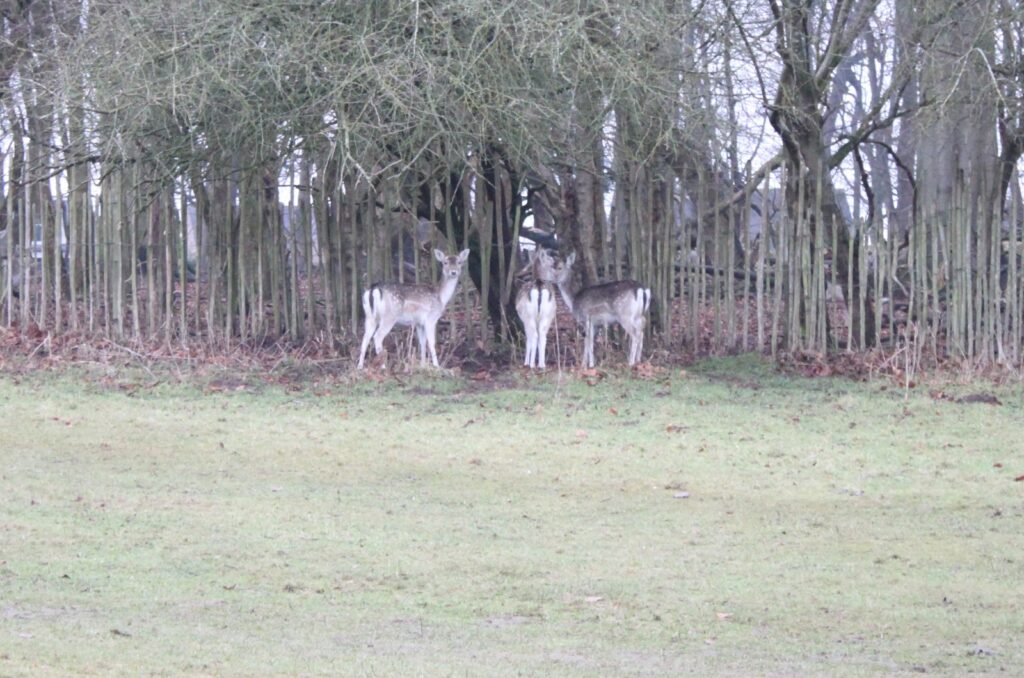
[586,344]
[526,307]
[421,338]
[588,347]
[542,348]
[639,341]
[369,328]
[635,342]
[531,342]
[431,329]
[641,326]
[629,329]
[643,321]
[544,319]
[383,329]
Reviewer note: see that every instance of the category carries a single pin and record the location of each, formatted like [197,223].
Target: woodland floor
[722,520]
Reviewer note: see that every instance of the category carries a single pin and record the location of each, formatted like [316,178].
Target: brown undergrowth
[317,359]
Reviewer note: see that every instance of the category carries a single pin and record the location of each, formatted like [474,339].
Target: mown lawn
[725,521]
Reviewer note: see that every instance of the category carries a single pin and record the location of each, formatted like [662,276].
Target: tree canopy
[756,158]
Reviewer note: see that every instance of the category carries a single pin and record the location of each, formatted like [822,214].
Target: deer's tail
[539,296]
[371,300]
[643,297]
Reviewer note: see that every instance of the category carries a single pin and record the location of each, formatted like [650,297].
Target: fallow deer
[535,304]
[388,304]
[623,301]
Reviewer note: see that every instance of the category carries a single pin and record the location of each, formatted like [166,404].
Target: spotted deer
[623,301]
[388,304]
[536,306]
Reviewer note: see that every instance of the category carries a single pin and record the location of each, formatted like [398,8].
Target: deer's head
[451,265]
[553,269]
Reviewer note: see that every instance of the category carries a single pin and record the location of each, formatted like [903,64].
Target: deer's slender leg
[542,347]
[431,330]
[369,327]
[531,341]
[639,341]
[421,337]
[641,325]
[588,351]
[383,329]
[629,328]
[635,342]
[544,319]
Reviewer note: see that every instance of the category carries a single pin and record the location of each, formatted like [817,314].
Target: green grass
[528,527]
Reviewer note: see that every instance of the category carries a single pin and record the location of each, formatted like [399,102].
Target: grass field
[726,521]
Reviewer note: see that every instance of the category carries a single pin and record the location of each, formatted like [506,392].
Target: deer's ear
[440,256]
[463,255]
[571,260]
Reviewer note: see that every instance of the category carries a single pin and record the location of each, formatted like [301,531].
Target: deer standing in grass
[535,304]
[388,304]
[623,301]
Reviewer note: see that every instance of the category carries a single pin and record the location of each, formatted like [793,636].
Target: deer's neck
[568,291]
[447,290]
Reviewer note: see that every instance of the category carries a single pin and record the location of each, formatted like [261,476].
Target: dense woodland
[787,176]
